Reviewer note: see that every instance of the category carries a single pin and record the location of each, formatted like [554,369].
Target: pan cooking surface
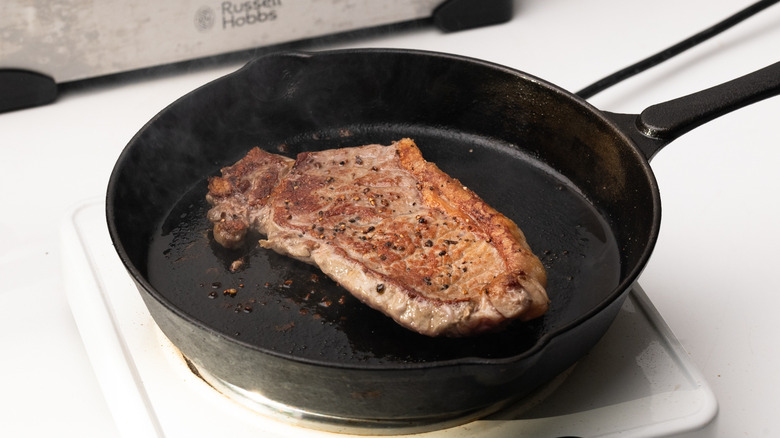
[290,308]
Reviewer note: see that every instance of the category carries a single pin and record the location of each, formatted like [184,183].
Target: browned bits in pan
[236,265]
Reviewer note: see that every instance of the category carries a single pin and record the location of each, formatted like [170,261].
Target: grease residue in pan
[290,308]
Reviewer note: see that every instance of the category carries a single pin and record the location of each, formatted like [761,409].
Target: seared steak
[392,229]
[240,198]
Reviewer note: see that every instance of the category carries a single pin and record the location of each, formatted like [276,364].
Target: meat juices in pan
[391,228]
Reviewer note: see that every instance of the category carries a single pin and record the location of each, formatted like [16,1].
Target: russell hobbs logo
[237,14]
[204,18]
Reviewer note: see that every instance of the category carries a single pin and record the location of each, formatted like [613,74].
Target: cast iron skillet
[576,180]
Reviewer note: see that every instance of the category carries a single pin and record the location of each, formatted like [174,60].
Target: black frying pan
[574,178]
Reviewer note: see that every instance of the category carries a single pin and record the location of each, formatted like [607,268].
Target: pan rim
[623,287]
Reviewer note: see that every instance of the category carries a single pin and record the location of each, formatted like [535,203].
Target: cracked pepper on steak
[391,228]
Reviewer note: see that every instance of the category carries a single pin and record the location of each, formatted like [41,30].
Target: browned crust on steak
[240,196]
[523,270]
[392,229]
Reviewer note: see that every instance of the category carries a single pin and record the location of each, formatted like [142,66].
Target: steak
[392,229]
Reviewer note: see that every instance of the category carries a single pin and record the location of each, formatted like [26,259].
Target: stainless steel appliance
[47,43]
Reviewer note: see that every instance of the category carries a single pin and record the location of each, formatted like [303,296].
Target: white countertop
[712,275]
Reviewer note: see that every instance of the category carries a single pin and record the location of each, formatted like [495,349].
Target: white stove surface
[638,381]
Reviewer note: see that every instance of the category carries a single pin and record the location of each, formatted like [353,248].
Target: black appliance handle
[659,124]
[670,52]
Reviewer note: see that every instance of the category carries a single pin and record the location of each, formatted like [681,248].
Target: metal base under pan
[312,420]
[637,381]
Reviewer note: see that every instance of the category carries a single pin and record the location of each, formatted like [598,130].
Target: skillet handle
[659,124]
